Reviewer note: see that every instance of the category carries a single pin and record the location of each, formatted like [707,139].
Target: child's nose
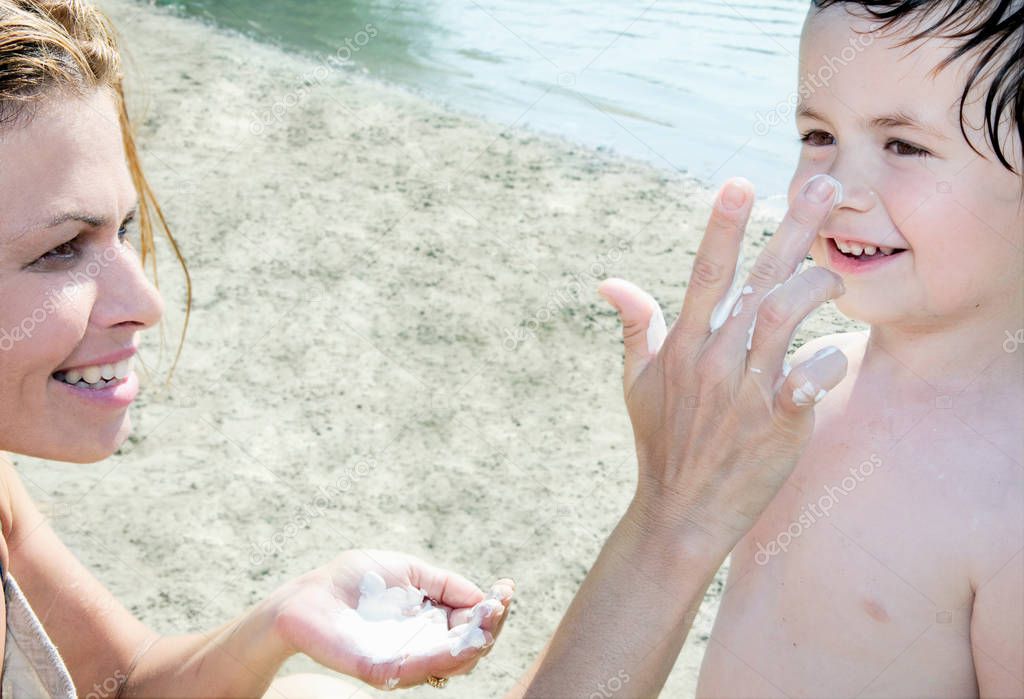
[857,192]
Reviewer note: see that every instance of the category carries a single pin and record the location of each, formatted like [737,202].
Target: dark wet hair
[993,29]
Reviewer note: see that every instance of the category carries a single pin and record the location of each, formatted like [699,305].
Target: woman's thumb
[643,325]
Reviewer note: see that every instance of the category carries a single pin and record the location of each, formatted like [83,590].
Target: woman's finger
[780,259]
[809,382]
[717,262]
[446,587]
[782,310]
[503,591]
[643,325]
[495,605]
[415,669]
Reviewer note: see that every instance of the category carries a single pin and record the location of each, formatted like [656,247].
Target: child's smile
[855,256]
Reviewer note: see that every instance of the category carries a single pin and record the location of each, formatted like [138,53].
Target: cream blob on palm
[394,623]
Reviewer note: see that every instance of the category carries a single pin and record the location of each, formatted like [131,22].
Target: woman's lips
[845,264]
[119,394]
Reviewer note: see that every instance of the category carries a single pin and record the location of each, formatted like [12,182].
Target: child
[890,564]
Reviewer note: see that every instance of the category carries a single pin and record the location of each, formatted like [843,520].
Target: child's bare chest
[855,580]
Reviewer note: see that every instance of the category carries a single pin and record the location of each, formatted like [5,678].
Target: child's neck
[966,354]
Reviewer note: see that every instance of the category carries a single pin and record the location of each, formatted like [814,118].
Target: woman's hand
[315,615]
[719,425]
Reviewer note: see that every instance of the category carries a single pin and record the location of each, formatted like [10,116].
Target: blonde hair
[53,46]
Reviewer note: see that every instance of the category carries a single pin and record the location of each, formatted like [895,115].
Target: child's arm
[997,632]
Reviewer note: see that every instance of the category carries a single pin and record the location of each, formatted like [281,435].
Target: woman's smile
[117,392]
[108,381]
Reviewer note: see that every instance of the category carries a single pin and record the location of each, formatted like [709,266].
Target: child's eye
[903,148]
[818,138]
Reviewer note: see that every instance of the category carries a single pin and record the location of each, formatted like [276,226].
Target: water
[700,86]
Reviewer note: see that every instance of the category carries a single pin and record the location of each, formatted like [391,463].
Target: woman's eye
[818,138]
[64,251]
[904,148]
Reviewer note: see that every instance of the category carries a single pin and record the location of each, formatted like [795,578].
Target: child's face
[869,109]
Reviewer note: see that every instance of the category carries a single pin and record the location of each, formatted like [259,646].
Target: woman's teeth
[858,249]
[96,376]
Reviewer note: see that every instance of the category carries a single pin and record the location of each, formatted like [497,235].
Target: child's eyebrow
[903,119]
[894,119]
[805,111]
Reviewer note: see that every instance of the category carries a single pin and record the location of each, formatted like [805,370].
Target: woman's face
[73,294]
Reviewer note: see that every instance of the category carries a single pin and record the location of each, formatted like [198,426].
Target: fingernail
[733,196]
[821,188]
[824,352]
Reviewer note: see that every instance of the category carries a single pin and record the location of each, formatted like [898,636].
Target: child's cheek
[948,263]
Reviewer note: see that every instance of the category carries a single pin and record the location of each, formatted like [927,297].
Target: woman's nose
[124,295]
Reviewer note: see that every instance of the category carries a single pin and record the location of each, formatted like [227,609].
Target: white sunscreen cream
[394,623]
[805,395]
[656,330]
[725,305]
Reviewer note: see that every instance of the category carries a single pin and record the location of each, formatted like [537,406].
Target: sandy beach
[395,343]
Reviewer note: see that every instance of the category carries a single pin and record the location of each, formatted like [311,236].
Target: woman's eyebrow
[91,220]
[88,219]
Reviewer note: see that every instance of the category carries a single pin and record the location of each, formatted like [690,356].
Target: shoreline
[390,298]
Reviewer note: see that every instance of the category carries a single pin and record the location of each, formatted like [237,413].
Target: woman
[713,446]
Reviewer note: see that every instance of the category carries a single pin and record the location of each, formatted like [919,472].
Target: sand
[395,343]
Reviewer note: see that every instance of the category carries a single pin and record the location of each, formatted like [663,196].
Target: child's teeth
[73,376]
[91,374]
[107,371]
[856,249]
[869,249]
[886,251]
